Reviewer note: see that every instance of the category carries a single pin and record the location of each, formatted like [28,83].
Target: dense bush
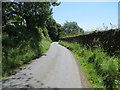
[20,46]
[101,69]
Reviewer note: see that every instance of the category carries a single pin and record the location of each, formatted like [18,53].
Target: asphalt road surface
[57,68]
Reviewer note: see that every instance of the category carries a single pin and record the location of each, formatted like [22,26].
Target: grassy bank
[20,46]
[101,70]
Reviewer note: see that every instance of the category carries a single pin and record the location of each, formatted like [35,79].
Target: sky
[88,15]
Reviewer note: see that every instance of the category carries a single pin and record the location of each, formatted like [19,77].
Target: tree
[33,13]
[53,28]
[71,28]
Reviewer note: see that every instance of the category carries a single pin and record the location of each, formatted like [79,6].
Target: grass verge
[101,70]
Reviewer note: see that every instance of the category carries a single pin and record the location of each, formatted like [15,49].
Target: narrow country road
[56,69]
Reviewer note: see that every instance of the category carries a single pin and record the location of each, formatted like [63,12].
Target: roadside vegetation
[21,47]
[99,55]
[101,69]
[26,33]
[109,40]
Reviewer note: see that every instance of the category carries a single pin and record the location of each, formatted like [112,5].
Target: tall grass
[20,46]
[101,70]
